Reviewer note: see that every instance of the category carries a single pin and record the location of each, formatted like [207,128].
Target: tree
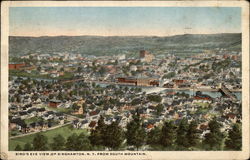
[136,134]
[75,107]
[97,136]
[40,142]
[18,148]
[78,143]
[114,136]
[79,69]
[181,138]
[169,75]
[60,96]
[102,71]
[168,135]
[83,143]
[153,137]
[193,134]
[234,139]
[51,96]
[58,143]
[71,142]
[213,140]
[154,98]
[27,147]
[159,109]
[18,99]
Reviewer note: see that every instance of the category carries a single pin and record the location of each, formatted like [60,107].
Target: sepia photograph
[125,80]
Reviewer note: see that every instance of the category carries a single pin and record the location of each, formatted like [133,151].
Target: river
[155,89]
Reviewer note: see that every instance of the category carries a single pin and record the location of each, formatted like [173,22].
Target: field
[64,131]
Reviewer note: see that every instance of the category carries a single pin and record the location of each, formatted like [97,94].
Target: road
[51,128]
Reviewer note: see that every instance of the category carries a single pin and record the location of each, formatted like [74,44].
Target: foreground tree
[58,143]
[78,143]
[136,134]
[234,140]
[83,143]
[27,147]
[71,142]
[168,135]
[114,136]
[213,140]
[182,139]
[18,148]
[40,142]
[193,135]
[97,135]
[153,137]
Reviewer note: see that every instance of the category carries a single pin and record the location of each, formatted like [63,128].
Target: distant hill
[98,45]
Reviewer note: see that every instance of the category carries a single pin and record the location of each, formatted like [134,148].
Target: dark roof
[22,113]
[41,109]
[32,110]
[19,122]
[55,101]
[50,112]
[33,125]
[59,114]
[16,120]
[75,121]
[85,121]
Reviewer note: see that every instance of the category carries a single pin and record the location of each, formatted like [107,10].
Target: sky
[123,21]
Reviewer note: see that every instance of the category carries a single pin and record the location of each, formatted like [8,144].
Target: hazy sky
[118,21]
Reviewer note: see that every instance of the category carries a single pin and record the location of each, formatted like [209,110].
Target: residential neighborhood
[48,91]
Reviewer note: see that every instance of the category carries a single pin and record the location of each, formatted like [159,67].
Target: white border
[244,154]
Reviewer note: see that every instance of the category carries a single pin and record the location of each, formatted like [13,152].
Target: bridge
[221,88]
[225,91]
[72,80]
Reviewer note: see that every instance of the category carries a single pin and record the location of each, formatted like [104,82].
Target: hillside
[98,45]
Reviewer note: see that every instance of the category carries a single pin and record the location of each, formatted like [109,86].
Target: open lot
[64,131]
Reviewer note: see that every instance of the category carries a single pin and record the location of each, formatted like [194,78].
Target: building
[128,80]
[54,103]
[225,56]
[145,56]
[79,111]
[235,57]
[138,81]
[16,65]
[121,57]
[200,96]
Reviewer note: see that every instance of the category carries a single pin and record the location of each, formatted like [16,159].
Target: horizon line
[123,35]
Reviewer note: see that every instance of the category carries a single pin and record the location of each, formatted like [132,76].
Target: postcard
[125,80]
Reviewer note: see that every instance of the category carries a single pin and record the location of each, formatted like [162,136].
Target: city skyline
[123,21]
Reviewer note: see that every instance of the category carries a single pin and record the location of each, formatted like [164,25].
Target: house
[84,124]
[232,117]
[58,115]
[54,103]
[40,111]
[79,111]
[13,123]
[76,124]
[16,65]
[23,114]
[107,110]
[19,124]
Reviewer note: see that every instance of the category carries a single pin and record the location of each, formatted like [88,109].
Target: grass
[203,105]
[31,120]
[65,131]
[59,109]
[20,73]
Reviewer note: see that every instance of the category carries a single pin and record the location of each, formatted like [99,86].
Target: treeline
[169,136]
